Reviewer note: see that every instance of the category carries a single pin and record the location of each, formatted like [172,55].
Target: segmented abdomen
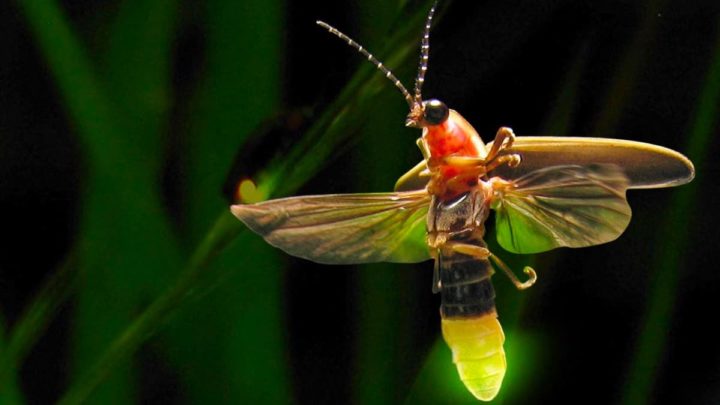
[477,347]
[469,324]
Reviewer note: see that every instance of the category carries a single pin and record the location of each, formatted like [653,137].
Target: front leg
[504,139]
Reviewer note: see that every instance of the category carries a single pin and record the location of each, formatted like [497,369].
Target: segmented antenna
[410,100]
[424,54]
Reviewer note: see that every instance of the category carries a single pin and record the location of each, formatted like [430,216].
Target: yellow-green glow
[437,382]
[248,193]
[527,352]
[477,347]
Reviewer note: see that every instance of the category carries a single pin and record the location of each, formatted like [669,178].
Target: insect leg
[423,148]
[477,252]
[504,138]
[481,165]
[518,284]
[461,161]
[474,251]
[511,160]
[437,284]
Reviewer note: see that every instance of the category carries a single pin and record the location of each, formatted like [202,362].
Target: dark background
[632,321]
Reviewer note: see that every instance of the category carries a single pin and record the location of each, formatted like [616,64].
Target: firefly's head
[427,113]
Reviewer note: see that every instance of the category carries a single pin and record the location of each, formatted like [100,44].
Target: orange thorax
[454,137]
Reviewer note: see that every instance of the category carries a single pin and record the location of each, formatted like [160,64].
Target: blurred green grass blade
[75,75]
[247,305]
[9,391]
[385,323]
[34,321]
[121,240]
[240,88]
[647,362]
[190,283]
[124,226]
[136,74]
[137,67]
[382,334]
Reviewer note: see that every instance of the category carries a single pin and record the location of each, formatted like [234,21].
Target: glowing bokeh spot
[247,192]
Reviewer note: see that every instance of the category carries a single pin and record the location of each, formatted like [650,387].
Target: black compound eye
[436,112]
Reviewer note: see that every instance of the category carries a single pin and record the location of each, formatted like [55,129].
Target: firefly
[546,192]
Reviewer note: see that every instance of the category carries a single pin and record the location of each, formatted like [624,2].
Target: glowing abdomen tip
[477,347]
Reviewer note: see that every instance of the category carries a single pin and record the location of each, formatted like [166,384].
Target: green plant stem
[84,94]
[36,318]
[241,84]
[9,392]
[124,228]
[33,322]
[190,283]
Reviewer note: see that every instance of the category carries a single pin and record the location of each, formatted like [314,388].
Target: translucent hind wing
[344,228]
[562,206]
